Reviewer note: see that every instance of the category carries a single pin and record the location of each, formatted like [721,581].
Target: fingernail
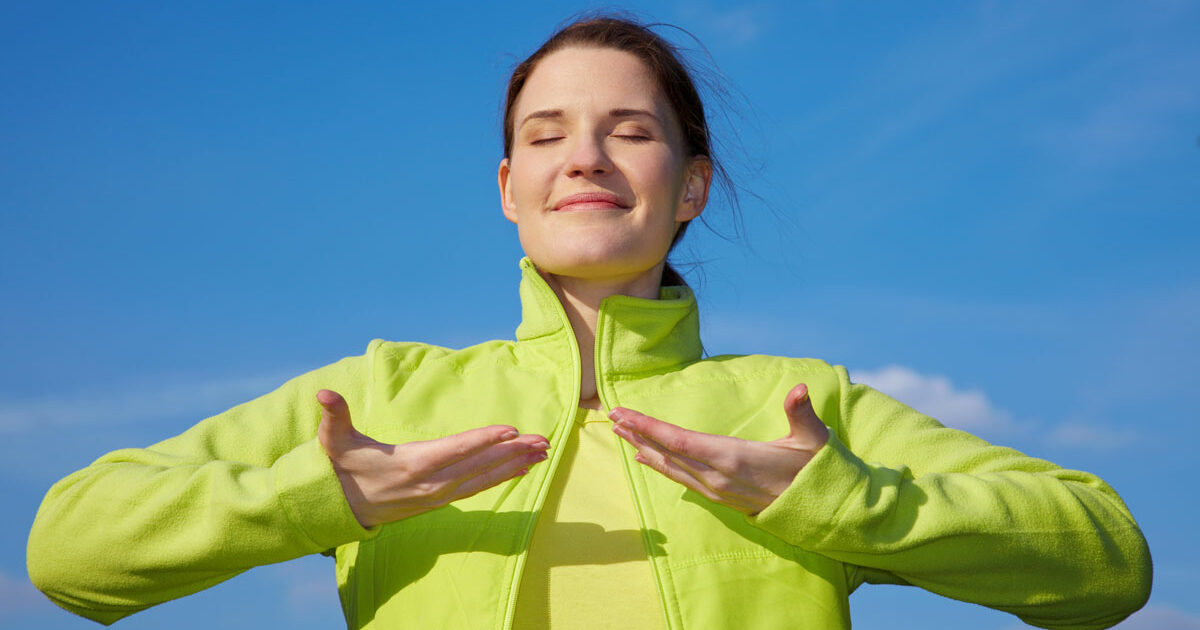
[509,435]
[539,457]
[615,415]
[621,431]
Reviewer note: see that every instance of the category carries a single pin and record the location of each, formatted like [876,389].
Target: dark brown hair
[663,60]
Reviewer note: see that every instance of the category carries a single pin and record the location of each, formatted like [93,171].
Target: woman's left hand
[743,474]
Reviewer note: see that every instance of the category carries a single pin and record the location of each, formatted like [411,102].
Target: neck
[581,298]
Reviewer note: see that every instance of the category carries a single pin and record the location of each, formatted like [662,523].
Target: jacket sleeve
[909,501]
[248,487]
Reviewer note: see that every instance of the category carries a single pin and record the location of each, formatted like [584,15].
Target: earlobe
[506,199]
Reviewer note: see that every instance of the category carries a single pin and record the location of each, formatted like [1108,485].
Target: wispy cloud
[733,26]
[972,410]
[196,398]
[17,595]
[1159,617]
[1133,122]
[308,586]
[1078,434]
[967,409]
[1153,617]
[908,94]
[312,593]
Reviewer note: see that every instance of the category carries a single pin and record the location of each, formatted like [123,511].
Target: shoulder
[738,395]
[396,353]
[761,367]
[773,376]
[399,357]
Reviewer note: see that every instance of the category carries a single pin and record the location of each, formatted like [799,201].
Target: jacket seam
[289,512]
[717,558]
[712,379]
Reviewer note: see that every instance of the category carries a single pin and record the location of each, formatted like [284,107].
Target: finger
[657,460]
[671,468]
[691,444]
[534,446]
[697,475]
[336,431]
[451,449]
[643,444]
[509,469]
[724,481]
[803,422]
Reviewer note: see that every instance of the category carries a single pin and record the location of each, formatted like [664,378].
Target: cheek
[532,176]
[660,172]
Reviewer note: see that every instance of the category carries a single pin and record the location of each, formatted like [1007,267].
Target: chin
[594,253]
[595,265]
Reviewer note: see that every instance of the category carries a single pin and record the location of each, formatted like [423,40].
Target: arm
[935,507]
[282,476]
[914,502]
[248,487]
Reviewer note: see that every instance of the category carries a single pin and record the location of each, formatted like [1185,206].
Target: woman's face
[597,182]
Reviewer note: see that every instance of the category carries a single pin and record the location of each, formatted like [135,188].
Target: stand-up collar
[633,335]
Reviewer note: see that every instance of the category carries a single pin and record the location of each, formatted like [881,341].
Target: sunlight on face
[597,182]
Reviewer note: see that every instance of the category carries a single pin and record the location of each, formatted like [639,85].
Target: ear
[695,189]
[507,201]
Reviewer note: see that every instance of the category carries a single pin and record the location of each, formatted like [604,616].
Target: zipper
[564,425]
[607,400]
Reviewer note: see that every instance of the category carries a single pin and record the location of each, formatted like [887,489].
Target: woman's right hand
[389,482]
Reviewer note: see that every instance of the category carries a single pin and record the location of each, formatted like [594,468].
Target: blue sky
[987,209]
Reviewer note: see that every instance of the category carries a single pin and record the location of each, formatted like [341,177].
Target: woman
[420,467]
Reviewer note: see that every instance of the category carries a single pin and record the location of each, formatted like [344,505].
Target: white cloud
[971,410]
[936,396]
[198,399]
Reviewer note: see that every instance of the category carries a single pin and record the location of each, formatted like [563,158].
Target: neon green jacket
[893,497]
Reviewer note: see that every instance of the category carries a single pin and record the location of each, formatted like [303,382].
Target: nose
[588,157]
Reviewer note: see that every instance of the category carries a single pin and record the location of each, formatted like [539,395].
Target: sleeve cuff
[807,511]
[313,498]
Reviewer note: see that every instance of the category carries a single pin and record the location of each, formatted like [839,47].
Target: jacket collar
[633,335]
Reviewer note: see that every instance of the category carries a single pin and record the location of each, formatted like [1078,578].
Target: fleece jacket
[893,497]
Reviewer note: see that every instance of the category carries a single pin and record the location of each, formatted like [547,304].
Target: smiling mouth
[589,201]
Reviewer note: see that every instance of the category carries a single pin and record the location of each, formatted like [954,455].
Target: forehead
[603,78]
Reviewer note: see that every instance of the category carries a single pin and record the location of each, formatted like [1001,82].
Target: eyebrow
[632,113]
[553,114]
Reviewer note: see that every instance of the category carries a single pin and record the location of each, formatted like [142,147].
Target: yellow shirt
[587,564]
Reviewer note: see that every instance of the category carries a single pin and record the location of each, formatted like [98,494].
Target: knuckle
[720,484]
[714,497]
[430,490]
[734,466]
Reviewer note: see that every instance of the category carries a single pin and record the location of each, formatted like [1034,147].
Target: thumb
[336,431]
[802,419]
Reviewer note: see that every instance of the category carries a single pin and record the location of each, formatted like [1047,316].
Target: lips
[590,201]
